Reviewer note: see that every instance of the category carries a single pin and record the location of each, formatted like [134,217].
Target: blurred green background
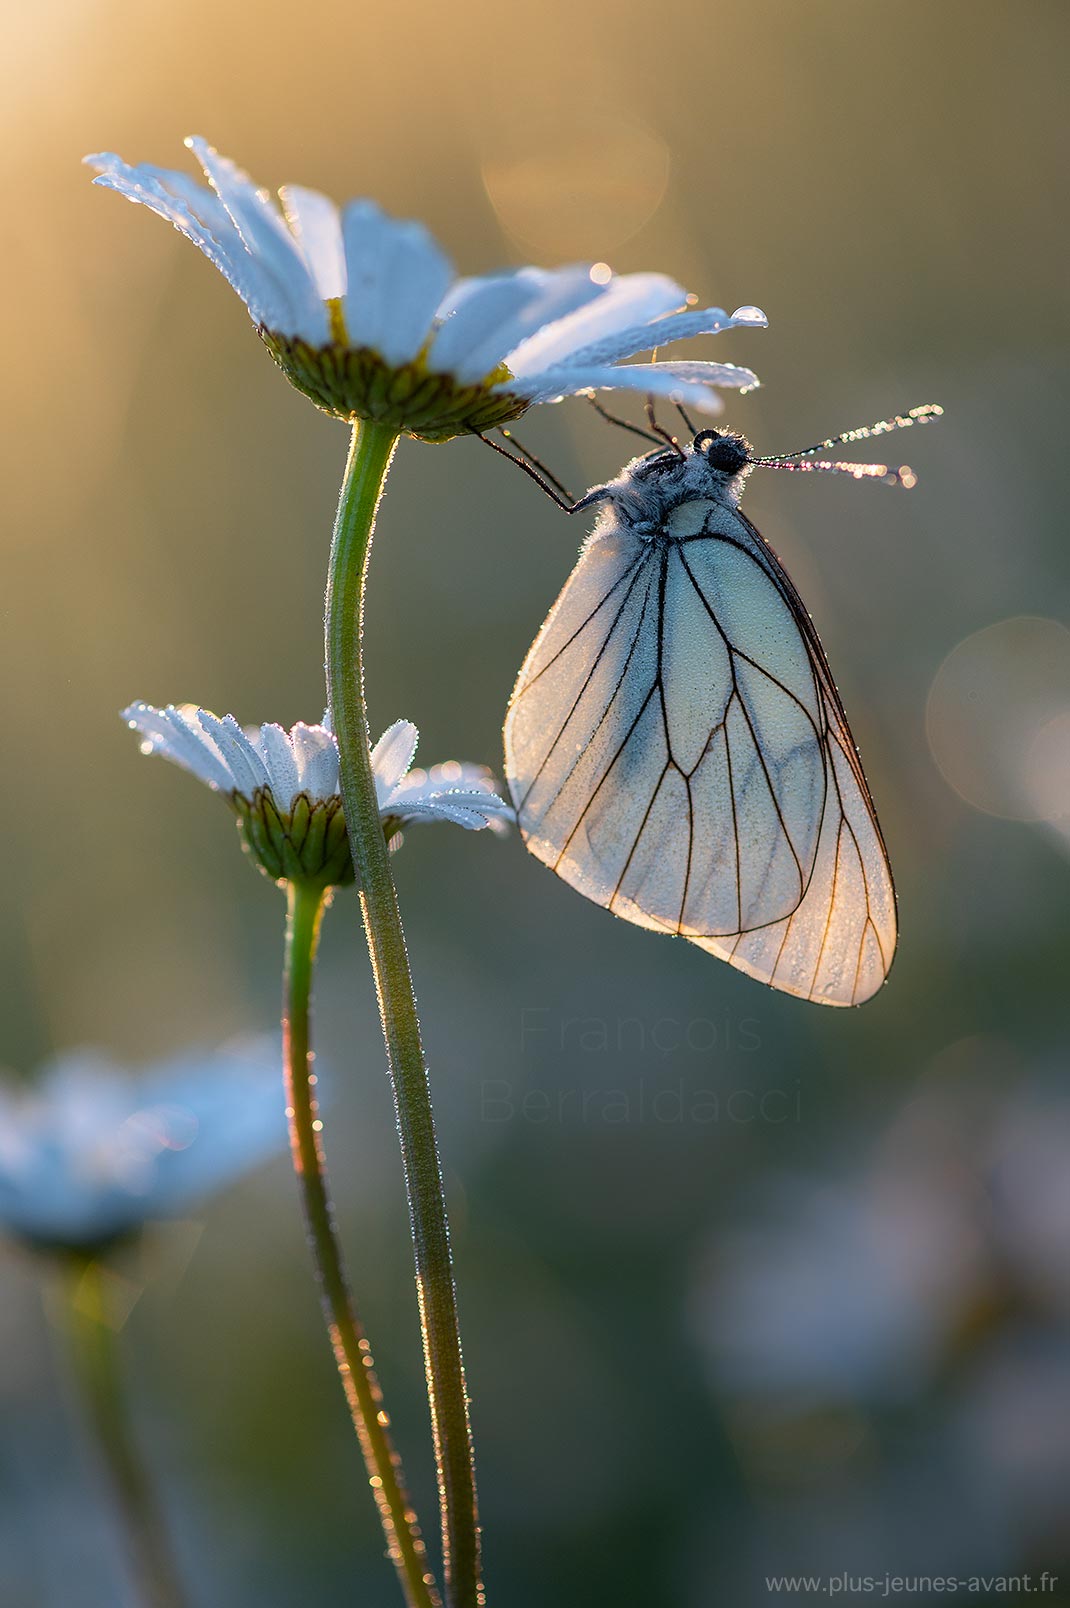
[706,1344]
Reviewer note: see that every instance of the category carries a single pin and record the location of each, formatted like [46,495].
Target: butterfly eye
[726,454]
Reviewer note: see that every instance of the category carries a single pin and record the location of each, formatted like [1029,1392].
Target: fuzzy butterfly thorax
[712,468]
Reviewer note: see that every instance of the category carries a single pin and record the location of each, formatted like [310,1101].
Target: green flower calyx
[307,843]
[356,383]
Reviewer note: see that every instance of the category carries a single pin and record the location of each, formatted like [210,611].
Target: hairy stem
[352,1352]
[369,460]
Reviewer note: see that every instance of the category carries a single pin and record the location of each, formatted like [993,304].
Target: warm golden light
[579,187]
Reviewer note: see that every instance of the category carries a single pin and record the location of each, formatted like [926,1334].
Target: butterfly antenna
[803,460]
[888,474]
[901,421]
[623,424]
[659,432]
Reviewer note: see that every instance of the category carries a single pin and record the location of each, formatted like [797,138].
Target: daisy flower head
[365,315]
[89,1154]
[285,791]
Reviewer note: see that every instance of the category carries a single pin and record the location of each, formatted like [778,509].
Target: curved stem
[352,1352]
[369,459]
[95,1359]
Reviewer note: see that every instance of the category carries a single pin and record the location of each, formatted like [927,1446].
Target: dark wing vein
[819,659]
[636,564]
[622,745]
[636,577]
[735,652]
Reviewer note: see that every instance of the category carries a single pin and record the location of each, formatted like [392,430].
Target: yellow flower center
[356,383]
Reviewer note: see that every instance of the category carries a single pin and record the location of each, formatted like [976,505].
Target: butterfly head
[724,450]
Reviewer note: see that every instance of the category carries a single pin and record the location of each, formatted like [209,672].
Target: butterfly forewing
[678,753]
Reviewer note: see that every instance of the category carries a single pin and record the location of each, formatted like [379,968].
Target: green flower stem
[369,459]
[352,1352]
[94,1350]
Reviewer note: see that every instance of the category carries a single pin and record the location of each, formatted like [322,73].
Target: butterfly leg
[623,424]
[541,476]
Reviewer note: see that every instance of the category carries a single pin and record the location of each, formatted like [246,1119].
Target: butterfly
[675,745]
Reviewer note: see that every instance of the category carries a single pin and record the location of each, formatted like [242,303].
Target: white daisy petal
[317,227]
[276,751]
[556,292]
[396,278]
[453,791]
[625,300]
[468,344]
[550,295]
[168,188]
[445,808]
[550,333]
[255,215]
[644,337]
[199,215]
[731,375]
[483,800]
[392,756]
[316,753]
[263,229]
[485,319]
[305,761]
[479,809]
[684,382]
[175,734]
[247,769]
[205,206]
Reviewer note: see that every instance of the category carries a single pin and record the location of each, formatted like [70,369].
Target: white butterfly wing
[678,753]
[580,718]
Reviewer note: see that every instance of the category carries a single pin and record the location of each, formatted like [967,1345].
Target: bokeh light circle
[579,187]
[998,719]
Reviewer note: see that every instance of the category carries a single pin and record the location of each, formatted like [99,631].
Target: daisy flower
[89,1154]
[284,785]
[365,315]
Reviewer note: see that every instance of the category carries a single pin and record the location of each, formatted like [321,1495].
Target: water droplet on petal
[750,315]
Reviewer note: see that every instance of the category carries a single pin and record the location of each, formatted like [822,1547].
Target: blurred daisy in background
[89,1153]
[859,1283]
[839,1290]
[285,789]
[885,1318]
[366,316]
